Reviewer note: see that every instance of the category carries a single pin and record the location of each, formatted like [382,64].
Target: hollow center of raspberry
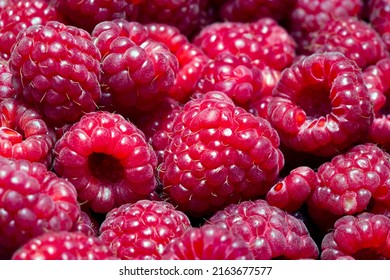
[368,254]
[314,100]
[11,135]
[105,167]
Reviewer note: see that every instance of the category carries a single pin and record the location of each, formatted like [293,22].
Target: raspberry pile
[194,129]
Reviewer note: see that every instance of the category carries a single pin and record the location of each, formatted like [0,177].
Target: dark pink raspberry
[208,242]
[292,191]
[362,237]
[218,154]
[64,245]
[18,15]
[379,18]
[353,37]
[33,200]
[7,89]
[141,231]
[321,105]
[107,159]
[24,133]
[57,68]
[137,71]
[350,183]
[270,232]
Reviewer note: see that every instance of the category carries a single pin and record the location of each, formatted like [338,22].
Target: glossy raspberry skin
[208,242]
[33,200]
[107,159]
[219,154]
[6,87]
[140,231]
[64,245]
[321,105]
[362,237]
[57,68]
[353,37]
[270,232]
[379,18]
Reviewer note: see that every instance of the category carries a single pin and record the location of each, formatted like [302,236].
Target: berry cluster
[194,129]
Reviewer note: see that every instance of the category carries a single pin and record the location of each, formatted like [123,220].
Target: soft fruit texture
[362,237]
[321,105]
[107,159]
[141,231]
[6,87]
[270,232]
[379,18]
[208,242]
[64,245]
[219,154]
[33,200]
[57,68]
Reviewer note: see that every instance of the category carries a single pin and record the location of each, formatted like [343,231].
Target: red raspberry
[350,183]
[209,242]
[64,245]
[33,200]
[353,37]
[143,229]
[137,70]
[362,237]
[321,105]
[107,159]
[7,89]
[270,232]
[57,68]
[379,18]
[218,154]
[24,134]
[18,15]
[87,223]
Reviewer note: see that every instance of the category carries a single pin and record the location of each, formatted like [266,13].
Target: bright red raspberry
[379,18]
[64,245]
[218,154]
[57,68]
[321,105]
[362,237]
[143,229]
[208,242]
[33,200]
[24,133]
[270,232]
[7,89]
[107,159]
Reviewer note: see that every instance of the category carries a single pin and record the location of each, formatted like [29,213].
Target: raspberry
[321,105]
[64,245]
[218,154]
[143,229]
[362,237]
[209,242]
[379,18]
[353,37]
[24,134]
[6,88]
[56,67]
[19,15]
[137,70]
[87,224]
[107,159]
[270,232]
[350,183]
[33,200]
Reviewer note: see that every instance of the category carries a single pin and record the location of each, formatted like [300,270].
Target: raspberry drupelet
[321,105]
[7,89]
[107,159]
[379,18]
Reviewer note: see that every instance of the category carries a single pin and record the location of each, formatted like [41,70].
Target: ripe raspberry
[137,70]
[18,15]
[209,242]
[270,232]
[7,89]
[24,134]
[33,200]
[364,237]
[218,154]
[321,105]
[291,193]
[143,229]
[64,245]
[379,18]
[354,38]
[350,183]
[107,159]
[57,68]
